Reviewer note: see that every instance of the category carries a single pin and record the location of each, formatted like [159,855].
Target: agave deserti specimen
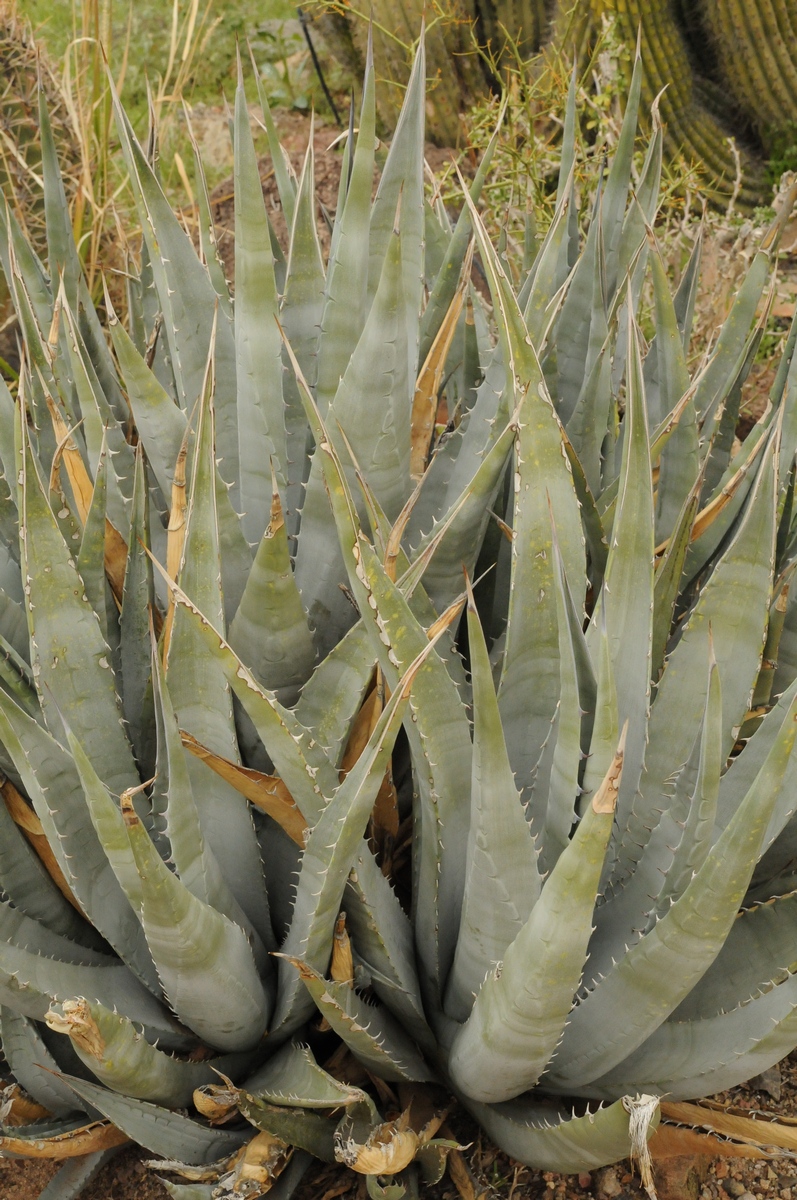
[284,801]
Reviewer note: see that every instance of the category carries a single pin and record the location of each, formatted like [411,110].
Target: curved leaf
[293,1078]
[70,658]
[655,974]
[518,1016]
[502,880]
[204,960]
[685,1060]
[334,692]
[329,855]
[76,1174]
[158,1130]
[543,1135]
[732,609]
[52,781]
[28,885]
[381,936]
[120,1058]
[269,630]
[371,1034]
[308,1130]
[33,1066]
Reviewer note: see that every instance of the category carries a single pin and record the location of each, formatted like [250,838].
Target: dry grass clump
[23,65]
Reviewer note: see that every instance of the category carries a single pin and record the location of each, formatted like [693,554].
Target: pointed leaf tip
[469,590]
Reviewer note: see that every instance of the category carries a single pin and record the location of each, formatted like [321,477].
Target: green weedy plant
[237,694]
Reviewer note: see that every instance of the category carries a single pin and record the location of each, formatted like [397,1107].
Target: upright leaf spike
[446,282]
[286,184]
[569,137]
[326,863]
[199,690]
[270,627]
[183,287]
[502,882]
[345,305]
[628,589]
[301,312]
[520,1013]
[259,401]
[199,954]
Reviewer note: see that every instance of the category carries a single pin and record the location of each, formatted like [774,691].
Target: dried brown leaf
[18,1109]
[175,534]
[462,1177]
[267,792]
[674,1141]
[76,1022]
[88,1139]
[605,798]
[424,403]
[24,816]
[341,968]
[749,1130]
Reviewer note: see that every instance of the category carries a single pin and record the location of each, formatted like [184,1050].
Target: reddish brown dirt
[294,130]
[124,1178]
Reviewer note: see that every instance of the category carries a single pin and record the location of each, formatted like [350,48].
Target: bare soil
[124,1178]
[294,131]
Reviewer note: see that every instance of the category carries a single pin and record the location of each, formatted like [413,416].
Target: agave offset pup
[291,846]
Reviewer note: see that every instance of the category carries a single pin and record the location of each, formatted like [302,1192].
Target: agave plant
[268,792]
